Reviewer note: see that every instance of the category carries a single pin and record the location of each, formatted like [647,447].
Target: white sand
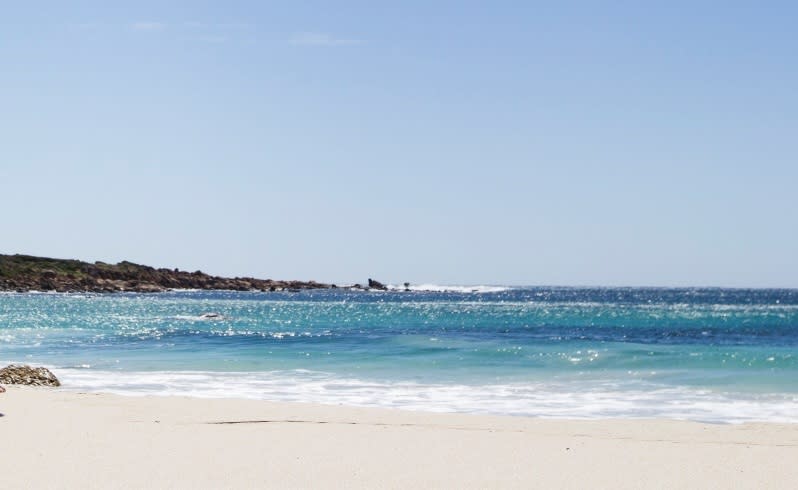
[57,439]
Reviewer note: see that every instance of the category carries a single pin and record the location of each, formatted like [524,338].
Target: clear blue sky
[569,143]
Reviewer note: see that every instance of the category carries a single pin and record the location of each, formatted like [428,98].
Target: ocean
[703,354]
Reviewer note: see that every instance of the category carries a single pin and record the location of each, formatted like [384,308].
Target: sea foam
[546,400]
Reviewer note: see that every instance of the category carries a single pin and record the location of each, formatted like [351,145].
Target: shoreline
[68,439]
[524,399]
[404,409]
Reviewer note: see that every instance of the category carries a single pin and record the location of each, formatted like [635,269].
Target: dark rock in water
[211,316]
[18,374]
[377,285]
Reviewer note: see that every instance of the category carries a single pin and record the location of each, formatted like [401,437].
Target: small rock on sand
[18,374]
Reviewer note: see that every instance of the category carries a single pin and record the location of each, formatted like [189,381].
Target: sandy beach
[60,439]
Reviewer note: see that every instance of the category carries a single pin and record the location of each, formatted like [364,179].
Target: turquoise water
[700,354]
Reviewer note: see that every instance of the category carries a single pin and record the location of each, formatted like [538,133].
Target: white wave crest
[211,316]
[542,399]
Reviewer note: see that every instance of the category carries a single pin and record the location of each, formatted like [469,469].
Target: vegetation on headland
[28,273]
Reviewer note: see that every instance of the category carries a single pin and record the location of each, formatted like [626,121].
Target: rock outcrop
[377,285]
[27,273]
[18,374]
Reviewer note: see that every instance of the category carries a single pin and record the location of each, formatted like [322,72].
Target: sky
[521,143]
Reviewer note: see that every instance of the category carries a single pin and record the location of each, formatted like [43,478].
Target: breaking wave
[542,399]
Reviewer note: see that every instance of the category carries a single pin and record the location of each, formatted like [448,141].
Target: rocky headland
[24,273]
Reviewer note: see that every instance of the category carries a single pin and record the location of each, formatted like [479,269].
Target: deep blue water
[703,354]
